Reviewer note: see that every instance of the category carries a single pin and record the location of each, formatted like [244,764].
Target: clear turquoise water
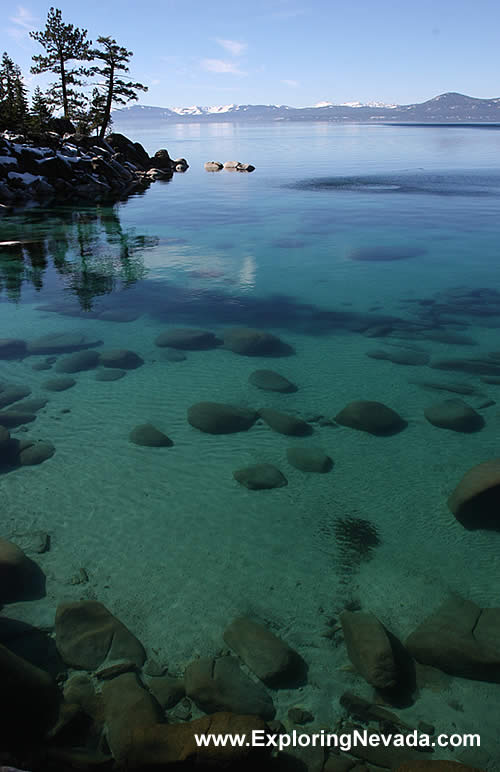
[171,543]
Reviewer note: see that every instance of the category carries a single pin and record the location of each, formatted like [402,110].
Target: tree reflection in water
[88,248]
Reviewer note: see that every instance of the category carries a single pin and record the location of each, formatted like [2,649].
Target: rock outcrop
[78,168]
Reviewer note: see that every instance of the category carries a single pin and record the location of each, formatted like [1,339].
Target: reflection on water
[88,248]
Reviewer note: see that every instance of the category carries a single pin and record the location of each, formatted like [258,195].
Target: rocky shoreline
[76,168]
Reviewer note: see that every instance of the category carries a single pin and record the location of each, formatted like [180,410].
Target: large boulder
[188,339]
[218,418]
[61,343]
[475,502]
[11,394]
[30,700]
[243,340]
[87,634]
[369,648]
[260,477]
[130,151]
[166,746]
[123,359]
[78,361]
[221,685]
[372,417]
[270,658]
[283,423]
[460,638]
[454,414]
[127,706]
[59,384]
[15,571]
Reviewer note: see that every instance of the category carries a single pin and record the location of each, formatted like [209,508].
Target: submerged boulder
[260,477]
[309,459]
[123,359]
[77,362]
[219,418]
[250,342]
[475,502]
[454,414]
[189,339]
[268,380]
[372,417]
[149,436]
[285,423]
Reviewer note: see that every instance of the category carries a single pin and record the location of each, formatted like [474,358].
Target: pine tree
[40,110]
[13,101]
[63,44]
[113,89]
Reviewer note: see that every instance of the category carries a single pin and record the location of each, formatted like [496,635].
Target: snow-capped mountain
[445,108]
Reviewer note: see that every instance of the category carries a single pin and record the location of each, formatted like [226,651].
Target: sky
[293,52]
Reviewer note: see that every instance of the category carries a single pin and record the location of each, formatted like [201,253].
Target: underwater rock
[59,384]
[173,745]
[270,658]
[78,362]
[218,418]
[109,375]
[260,477]
[12,348]
[28,406]
[15,568]
[173,355]
[449,336]
[4,437]
[268,380]
[455,388]
[188,339]
[12,418]
[401,356]
[11,394]
[87,634]
[460,638]
[123,359]
[475,502]
[61,343]
[386,253]
[249,342]
[309,459]
[372,417]
[221,685]
[284,423]
[31,699]
[491,379]
[454,414]
[32,453]
[127,706]
[369,648]
[44,365]
[149,436]
[474,366]
[167,690]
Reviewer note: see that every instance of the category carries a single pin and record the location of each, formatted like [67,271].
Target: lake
[371,253]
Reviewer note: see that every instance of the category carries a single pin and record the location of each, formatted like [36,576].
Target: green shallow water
[170,542]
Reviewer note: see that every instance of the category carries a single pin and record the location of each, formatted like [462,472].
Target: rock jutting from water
[77,167]
[372,417]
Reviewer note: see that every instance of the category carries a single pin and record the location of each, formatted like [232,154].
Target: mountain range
[445,108]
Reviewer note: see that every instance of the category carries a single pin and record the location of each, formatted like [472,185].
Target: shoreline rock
[74,167]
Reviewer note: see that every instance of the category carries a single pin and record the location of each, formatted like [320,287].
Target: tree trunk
[109,102]
[63,88]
